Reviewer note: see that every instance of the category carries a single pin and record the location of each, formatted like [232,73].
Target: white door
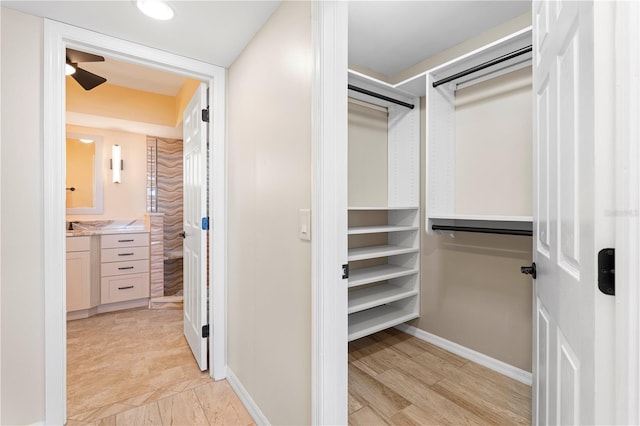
[572,322]
[195,237]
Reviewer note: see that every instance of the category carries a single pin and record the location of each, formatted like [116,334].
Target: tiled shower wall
[164,195]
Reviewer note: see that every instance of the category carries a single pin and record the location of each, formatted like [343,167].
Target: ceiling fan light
[69,69]
[156,9]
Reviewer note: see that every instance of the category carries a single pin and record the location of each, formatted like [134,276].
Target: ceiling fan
[85,78]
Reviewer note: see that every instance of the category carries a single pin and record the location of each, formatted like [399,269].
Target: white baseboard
[245,397]
[477,357]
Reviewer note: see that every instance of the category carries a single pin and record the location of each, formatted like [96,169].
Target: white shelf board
[378,273]
[373,252]
[370,297]
[489,218]
[377,208]
[372,320]
[375,229]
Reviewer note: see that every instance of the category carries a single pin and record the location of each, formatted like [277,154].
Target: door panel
[565,252]
[195,208]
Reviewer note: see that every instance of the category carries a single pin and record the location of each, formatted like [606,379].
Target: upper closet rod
[524,232]
[379,96]
[487,64]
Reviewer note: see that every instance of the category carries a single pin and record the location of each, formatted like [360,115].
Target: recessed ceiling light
[69,69]
[156,9]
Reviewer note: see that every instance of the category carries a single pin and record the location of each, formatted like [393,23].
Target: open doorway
[58,37]
[127,330]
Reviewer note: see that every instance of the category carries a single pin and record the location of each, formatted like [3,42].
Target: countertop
[107,227]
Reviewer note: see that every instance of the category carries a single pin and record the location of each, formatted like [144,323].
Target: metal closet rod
[379,96]
[487,64]
[500,231]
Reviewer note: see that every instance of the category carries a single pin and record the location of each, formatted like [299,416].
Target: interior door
[195,209]
[571,331]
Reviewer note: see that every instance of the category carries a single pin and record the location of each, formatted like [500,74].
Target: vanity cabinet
[124,267]
[82,293]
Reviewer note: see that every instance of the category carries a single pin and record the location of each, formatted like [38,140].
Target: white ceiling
[390,36]
[384,36]
[210,31]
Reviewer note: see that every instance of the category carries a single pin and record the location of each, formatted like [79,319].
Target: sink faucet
[71,224]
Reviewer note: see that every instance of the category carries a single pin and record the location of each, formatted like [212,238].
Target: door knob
[183,234]
[529,270]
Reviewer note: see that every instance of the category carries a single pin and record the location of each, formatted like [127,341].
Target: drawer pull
[125,254]
[125,288]
[126,241]
[125,267]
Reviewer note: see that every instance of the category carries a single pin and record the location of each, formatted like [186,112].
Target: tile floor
[134,367]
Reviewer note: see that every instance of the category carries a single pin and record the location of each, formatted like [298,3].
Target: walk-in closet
[439,225]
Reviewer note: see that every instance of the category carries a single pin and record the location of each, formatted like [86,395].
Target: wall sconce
[117,163]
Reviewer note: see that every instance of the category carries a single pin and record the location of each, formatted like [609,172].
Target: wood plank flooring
[397,379]
[134,367]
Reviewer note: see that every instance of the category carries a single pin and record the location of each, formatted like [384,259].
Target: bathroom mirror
[84,174]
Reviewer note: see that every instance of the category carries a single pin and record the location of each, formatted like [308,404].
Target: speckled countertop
[106,227]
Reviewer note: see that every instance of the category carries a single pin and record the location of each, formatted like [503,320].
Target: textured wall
[168,180]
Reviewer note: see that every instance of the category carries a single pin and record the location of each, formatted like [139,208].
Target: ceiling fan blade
[76,56]
[87,79]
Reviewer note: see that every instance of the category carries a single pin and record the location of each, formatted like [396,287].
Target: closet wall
[472,291]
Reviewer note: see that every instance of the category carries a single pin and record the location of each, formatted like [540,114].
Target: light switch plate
[305,224]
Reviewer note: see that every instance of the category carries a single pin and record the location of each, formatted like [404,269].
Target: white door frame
[329,213]
[57,37]
[627,212]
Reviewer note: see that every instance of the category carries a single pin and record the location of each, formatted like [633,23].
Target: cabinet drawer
[78,244]
[124,254]
[127,287]
[122,268]
[124,240]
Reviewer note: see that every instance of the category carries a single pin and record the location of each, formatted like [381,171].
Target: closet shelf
[370,297]
[373,252]
[489,218]
[380,208]
[376,229]
[378,273]
[373,320]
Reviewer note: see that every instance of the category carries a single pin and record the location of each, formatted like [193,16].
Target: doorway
[57,38]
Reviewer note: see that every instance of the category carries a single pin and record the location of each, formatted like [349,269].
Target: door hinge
[205,115]
[607,271]
[205,223]
[345,271]
[205,331]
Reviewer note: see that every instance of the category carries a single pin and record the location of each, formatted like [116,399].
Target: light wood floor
[397,379]
[134,367]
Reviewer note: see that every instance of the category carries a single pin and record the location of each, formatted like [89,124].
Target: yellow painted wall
[109,100]
[184,96]
[113,101]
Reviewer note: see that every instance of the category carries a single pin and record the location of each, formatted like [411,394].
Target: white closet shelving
[468,185]
[384,279]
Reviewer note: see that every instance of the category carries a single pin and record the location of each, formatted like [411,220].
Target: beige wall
[472,291]
[126,200]
[367,156]
[269,166]
[494,150]
[22,310]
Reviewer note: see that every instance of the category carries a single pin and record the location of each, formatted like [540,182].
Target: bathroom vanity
[107,270]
